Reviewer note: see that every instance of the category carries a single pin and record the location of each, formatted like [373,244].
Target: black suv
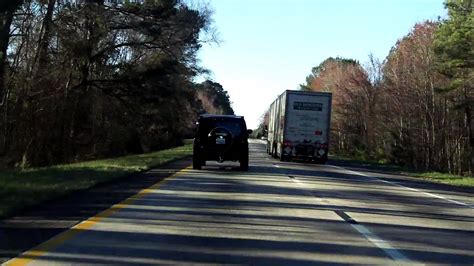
[221,138]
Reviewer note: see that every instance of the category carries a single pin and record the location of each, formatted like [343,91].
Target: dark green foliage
[214,99]
[101,81]
[7,10]
[454,42]
[454,48]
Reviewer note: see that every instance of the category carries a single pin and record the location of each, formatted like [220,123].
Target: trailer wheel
[284,158]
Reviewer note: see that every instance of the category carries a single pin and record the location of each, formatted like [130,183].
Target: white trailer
[299,126]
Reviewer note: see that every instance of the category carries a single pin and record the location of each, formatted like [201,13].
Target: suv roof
[234,123]
[220,116]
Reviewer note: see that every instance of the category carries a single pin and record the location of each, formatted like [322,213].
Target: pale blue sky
[268,46]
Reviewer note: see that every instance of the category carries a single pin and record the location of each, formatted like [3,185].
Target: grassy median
[445,178]
[22,188]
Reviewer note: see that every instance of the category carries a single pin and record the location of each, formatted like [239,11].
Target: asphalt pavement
[277,213]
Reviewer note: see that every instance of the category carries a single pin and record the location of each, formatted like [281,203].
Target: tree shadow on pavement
[204,227]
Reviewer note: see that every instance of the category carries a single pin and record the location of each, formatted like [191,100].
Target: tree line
[415,107]
[91,80]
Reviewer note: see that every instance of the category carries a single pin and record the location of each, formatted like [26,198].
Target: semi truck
[299,125]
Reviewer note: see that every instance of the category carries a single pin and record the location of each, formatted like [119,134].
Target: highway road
[277,213]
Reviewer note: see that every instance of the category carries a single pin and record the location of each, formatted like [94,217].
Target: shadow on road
[252,236]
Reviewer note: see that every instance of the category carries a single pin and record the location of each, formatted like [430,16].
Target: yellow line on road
[49,245]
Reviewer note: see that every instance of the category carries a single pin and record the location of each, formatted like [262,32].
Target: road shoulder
[36,225]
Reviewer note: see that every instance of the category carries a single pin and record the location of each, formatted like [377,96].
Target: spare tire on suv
[221,138]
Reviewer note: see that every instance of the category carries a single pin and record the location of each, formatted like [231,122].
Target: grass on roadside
[22,188]
[445,178]
[456,180]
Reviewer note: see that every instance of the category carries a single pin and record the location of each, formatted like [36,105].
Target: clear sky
[268,46]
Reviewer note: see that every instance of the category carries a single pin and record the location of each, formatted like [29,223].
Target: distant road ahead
[277,213]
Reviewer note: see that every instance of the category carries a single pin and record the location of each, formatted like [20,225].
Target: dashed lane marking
[402,186]
[392,252]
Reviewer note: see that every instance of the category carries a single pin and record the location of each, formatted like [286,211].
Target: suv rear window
[236,126]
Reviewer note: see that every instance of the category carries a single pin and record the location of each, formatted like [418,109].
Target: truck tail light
[287,143]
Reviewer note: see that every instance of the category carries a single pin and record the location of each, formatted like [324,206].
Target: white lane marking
[349,171]
[429,194]
[402,186]
[380,243]
[276,165]
[392,252]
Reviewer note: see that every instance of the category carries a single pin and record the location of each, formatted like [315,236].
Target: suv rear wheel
[244,161]
[197,160]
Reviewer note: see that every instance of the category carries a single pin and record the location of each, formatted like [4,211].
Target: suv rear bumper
[209,154]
